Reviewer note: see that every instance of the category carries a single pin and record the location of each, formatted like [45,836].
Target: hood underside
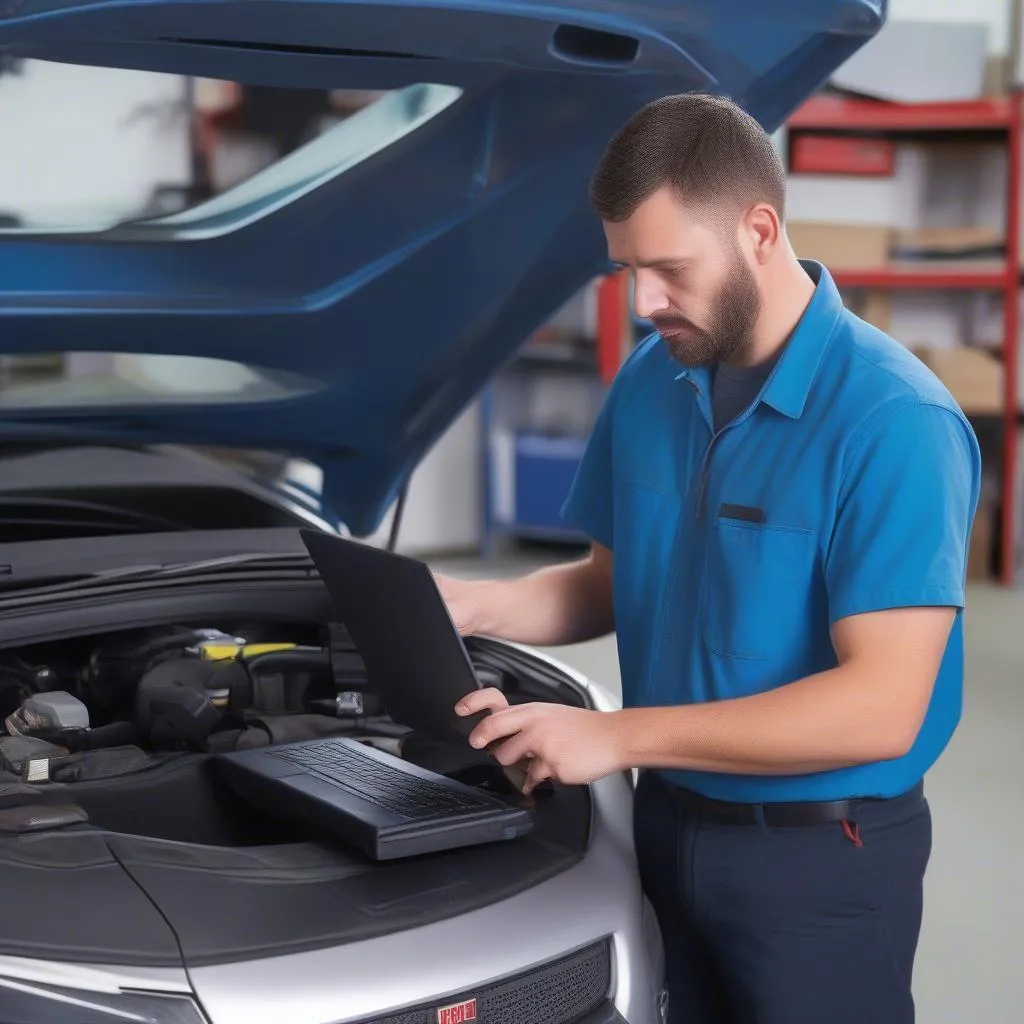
[374,279]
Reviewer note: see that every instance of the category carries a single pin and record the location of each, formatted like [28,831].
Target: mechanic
[780,498]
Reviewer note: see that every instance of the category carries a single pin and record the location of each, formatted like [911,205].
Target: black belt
[774,815]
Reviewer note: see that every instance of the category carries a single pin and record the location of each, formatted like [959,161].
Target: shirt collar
[789,383]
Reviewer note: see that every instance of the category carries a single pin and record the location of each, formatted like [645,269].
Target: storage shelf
[959,275]
[527,472]
[842,114]
[999,118]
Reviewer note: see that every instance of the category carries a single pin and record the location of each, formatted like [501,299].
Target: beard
[734,313]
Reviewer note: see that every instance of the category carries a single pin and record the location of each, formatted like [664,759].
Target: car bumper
[446,962]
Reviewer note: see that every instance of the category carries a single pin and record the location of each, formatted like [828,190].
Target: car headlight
[25,1002]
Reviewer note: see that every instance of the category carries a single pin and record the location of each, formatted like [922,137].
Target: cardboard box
[872,305]
[919,62]
[973,376]
[998,80]
[841,246]
[953,243]
[980,552]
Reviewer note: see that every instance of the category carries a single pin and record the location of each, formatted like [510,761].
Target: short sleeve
[589,505]
[906,506]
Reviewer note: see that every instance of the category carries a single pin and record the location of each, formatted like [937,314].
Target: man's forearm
[827,721]
[561,604]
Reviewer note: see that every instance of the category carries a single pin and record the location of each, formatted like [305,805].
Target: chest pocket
[757,580]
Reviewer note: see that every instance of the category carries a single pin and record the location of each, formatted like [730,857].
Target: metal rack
[997,118]
[527,472]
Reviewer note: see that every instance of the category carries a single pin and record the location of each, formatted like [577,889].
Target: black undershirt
[734,388]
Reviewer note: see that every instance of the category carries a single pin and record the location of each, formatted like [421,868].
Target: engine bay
[106,720]
[180,689]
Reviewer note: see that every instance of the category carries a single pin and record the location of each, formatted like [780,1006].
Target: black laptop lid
[392,609]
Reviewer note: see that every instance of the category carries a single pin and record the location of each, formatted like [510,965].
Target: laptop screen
[392,609]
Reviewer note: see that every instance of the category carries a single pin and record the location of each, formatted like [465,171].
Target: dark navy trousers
[811,925]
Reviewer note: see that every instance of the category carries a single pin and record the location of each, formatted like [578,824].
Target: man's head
[692,195]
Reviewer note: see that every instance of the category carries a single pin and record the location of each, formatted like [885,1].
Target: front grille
[559,992]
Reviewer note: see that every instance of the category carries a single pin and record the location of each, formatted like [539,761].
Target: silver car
[283,354]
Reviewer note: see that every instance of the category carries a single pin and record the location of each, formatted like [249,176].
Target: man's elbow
[894,744]
[896,735]
[882,744]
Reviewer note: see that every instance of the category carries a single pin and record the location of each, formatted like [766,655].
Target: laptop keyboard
[382,784]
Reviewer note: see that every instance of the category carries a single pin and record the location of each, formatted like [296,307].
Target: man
[780,498]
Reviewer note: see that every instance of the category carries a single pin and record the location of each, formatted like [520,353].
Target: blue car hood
[376,295]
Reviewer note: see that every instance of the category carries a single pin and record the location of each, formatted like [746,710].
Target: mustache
[672,322]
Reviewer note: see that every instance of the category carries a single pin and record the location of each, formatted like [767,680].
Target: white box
[919,62]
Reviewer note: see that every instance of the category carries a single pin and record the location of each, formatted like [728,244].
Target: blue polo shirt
[849,486]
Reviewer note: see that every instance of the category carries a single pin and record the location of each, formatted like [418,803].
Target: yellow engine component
[219,650]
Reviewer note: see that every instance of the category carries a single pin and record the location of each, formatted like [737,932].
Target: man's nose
[648,297]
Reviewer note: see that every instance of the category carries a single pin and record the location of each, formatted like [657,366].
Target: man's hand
[464,600]
[559,604]
[564,744]
[492,700]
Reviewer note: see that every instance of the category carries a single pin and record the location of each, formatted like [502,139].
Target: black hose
[294,659]
[396,521]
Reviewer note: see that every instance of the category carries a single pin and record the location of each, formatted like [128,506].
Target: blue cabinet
[544,470]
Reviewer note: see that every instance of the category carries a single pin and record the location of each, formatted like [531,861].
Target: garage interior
[905,180]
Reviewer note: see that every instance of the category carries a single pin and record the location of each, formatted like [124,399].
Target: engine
[183,688]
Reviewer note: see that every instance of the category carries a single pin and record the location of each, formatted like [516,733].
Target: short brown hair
[707,149]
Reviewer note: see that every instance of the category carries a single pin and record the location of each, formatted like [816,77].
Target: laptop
[416,660]
[391,607]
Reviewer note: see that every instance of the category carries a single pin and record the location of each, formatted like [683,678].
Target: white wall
[443,511]
[995,13]
[73,150]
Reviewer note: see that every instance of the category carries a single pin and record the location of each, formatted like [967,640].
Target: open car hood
[380,275]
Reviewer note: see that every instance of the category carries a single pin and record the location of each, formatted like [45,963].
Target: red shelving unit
[614,336]
[999,117]
[962,277]
[840,114]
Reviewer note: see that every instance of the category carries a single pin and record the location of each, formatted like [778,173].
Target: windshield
[54,580]
[376,126]
[186,158]
[66,380]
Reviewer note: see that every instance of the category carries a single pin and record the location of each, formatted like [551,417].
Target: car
[282,356]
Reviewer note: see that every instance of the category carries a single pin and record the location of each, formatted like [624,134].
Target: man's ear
[761,231]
